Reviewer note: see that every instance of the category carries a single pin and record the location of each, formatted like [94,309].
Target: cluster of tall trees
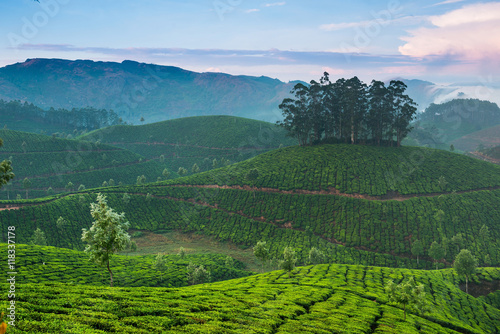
[348,111]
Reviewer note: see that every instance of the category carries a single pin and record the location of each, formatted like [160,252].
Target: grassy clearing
[193,243]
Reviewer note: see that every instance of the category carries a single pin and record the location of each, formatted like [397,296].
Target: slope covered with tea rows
[348,229]
[357,169]
[161,214]
[316,299]
[37,264]
[53,162]
[186,141]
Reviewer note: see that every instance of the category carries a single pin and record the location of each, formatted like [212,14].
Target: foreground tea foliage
[38,264]
[316,299]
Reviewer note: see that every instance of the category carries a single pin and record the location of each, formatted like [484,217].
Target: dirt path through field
[394,196]
[331,191]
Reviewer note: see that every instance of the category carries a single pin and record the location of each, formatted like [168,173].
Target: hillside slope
[356,169]
[38,264]
[487,138]
[186,141]
[54,162]
[316,300]
[360,221]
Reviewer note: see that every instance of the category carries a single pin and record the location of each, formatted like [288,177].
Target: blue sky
[440,41]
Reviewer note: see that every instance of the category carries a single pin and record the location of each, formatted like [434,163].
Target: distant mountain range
[135,90]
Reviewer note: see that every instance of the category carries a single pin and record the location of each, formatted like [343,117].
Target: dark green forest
[348,111]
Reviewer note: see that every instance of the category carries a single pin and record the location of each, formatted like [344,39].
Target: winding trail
[394,196]
[332,191]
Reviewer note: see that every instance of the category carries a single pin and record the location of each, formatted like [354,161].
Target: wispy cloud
[468,33]
[272,56]
[344,25]
[447,2]
[287,65]
[275,4]
[253,10]
[406,20]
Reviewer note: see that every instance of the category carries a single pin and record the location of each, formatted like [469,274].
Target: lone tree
[61,222]
[465,264]
[39,238]
[69,186]
[107,235]
[484,235]
[141,180]
[126,198]
[288,262]
[316,256]
[5,170]
[407,293]
[436,251]
[197,274]
[195,169]
[182,171]
[229,262]
[261,252]
[166,174]
[182,252]
[458,241]
[26,185]
[417,248]
[160,264]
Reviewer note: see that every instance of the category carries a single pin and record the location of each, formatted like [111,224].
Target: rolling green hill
[54,162]
[37,264]
[316,300]
[356,169]
[461,122]
[334,197]
[186,141]
[493,152]
[486,138]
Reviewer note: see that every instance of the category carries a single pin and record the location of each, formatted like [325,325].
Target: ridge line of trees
[88,118]
[348,111]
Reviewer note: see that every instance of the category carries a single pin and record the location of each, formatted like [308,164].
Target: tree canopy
[107,235]
[348,111]
[465,264]
[6,173]
[261,252]
[407,293]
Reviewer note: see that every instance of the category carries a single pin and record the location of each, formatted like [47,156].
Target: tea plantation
[357,169]
[37,264]
[186,141]
[316,299]
[50,162]
[349,227]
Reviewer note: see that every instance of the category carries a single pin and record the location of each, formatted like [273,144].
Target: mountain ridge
[136,90]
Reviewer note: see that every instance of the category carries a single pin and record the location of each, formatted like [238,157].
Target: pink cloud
[469,33]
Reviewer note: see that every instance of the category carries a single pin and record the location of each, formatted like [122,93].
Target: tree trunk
[110,275]
[417,259]
[352,130]
[466,284]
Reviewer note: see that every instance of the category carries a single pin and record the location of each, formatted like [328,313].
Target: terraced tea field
[316,299]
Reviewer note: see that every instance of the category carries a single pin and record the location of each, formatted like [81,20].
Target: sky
[440,41]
